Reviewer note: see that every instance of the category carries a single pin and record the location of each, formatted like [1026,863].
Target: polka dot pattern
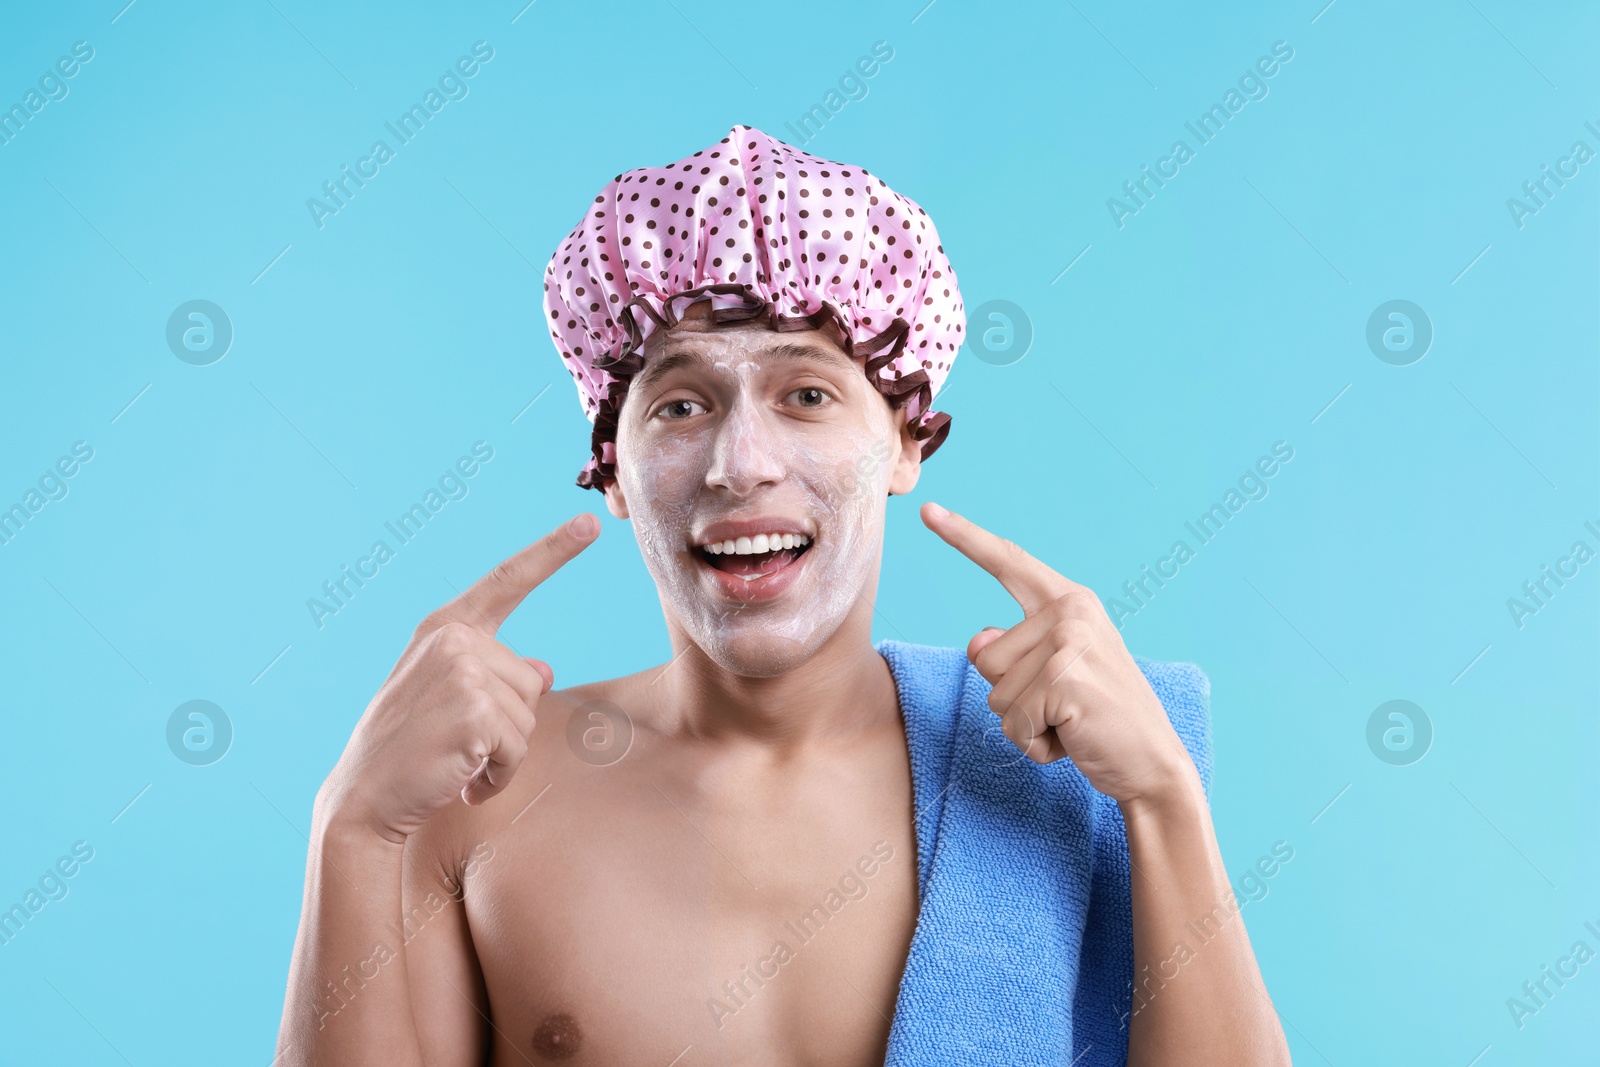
[763,231]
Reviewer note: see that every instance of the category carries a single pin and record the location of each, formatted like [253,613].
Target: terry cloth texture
[1023,950]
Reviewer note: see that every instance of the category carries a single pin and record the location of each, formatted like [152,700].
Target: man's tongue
[756,563]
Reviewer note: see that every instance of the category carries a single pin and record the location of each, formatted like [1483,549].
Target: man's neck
[845,689]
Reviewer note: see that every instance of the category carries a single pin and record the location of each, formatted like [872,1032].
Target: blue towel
[1023,950]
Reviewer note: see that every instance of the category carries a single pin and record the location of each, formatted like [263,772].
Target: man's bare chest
[639,919]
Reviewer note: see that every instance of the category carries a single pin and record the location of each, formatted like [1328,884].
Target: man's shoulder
[936,683]
[932,665]
[943,672]
[627,696]
[933,682]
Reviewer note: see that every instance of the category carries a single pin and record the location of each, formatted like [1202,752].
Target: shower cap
[765,232]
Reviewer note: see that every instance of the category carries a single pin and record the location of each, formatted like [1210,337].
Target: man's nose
[745,453]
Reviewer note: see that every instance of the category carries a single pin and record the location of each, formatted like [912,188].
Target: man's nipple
[558,1037]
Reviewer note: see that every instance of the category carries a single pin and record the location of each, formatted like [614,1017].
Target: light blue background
[1224,316]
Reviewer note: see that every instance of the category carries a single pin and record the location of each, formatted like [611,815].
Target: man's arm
[452,720]
[384,969]
[1198,997]
[1065,685]
[448,996]
[349,997]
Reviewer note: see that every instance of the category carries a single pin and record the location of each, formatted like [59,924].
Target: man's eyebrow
[786,350]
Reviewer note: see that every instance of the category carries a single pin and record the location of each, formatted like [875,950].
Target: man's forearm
[349,1000]
[1198,997]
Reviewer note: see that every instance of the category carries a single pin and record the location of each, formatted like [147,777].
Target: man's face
[733,434]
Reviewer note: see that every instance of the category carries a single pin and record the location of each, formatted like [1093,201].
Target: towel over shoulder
[1023,951]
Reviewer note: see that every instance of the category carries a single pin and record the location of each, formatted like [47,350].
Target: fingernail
[937,511]
[582,525]
[988,628]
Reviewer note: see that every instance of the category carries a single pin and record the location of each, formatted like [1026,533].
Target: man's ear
[908,465]
[616,503]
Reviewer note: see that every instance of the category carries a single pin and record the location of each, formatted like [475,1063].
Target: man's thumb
[982,640]
[544,670]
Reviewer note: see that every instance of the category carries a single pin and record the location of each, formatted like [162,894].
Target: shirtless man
[506,872]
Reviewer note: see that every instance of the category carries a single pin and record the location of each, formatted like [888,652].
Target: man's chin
[751,653]
[770,634]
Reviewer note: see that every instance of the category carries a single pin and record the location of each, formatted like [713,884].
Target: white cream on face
[748,457]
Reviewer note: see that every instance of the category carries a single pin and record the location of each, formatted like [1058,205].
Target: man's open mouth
[752,557]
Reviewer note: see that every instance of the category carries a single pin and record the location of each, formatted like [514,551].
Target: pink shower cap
[765,232]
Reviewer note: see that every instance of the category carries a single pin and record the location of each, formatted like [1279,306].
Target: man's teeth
[750,546]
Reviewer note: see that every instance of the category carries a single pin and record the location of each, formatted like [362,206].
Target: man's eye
[810,396]
[674,410]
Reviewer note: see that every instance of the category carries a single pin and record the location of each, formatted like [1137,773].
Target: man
[782,846]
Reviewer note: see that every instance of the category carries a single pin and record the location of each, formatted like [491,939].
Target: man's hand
[1064,683]
[455,715]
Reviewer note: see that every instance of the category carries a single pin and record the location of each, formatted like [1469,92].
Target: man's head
[757,335]
[734,433]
